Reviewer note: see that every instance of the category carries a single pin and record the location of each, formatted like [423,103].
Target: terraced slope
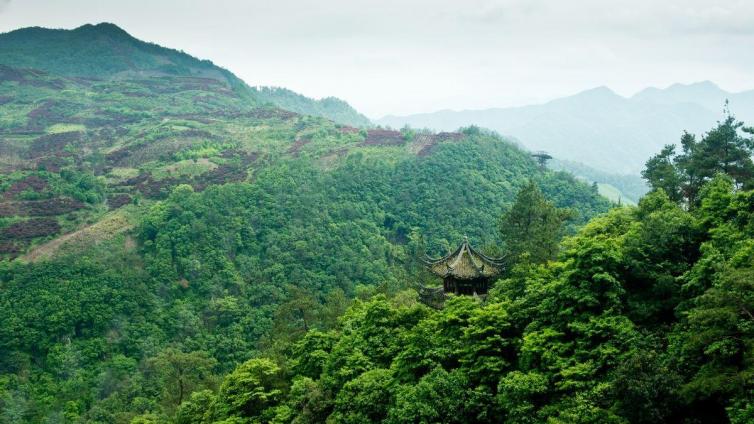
[75,148]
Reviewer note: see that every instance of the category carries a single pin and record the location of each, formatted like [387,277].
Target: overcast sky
[409,56]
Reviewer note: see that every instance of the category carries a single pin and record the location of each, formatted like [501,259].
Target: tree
[661,173]
[250,389]
[181,373]
[533,226]
[723,150]
[365,399]
[439,396]
[195,410]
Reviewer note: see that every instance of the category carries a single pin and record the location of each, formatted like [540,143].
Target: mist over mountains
[598,127]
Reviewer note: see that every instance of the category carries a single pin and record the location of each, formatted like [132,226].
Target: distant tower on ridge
[542,157]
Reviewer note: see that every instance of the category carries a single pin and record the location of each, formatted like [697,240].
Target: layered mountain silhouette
[598,127]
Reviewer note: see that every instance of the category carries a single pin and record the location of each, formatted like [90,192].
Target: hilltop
[107,52]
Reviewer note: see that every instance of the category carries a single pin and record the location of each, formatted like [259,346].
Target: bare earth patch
[108,227]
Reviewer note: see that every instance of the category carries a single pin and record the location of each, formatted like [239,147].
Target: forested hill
[105,51]
[166,220]
[644,316]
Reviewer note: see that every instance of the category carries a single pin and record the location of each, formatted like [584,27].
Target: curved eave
[465,263]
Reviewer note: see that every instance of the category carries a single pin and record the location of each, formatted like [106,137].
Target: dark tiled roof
[466,263]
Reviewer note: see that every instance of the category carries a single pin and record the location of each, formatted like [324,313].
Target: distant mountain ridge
[106,51]
[598,127]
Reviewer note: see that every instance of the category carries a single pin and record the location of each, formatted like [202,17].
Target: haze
[401,57]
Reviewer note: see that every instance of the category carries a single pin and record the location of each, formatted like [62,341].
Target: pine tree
[533,227]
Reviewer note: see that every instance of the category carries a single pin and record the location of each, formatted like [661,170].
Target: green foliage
[329,107]
[233,297]
[181,373]
[634,322]
[532,228]
[723,150]
[365,398]
[204,150]
[235,269]
[249,390]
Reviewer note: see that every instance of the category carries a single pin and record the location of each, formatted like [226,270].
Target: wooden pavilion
[466,271]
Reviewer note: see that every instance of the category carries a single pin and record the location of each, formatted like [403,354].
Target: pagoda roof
[465,263]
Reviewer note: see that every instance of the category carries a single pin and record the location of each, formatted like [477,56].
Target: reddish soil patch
[10,248]
[448,136]
[270,113]
[159,188]
[118,200]
[133,181]
[234,171]
[29,77]
[429,141]
[383,138]
[426,150]
[52,143]
[117,156]
[50,111]
[24,230]
[348,130]
[197,134]
[30,183]
[11,74]
[48,207]
[162,146]
[52,163]
[220,175]
[299,144]
[226,173]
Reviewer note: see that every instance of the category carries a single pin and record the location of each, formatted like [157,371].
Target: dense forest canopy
[176,252]
[645,317]
[159,231]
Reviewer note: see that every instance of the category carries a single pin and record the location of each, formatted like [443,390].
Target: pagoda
[466,271]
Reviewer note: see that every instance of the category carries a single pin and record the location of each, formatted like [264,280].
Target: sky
[412,56]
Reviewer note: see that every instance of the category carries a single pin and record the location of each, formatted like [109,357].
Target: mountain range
[598,127]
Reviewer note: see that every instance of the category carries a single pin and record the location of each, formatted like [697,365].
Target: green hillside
[151,217]
[107,52]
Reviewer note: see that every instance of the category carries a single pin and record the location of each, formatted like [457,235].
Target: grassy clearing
[62,128]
